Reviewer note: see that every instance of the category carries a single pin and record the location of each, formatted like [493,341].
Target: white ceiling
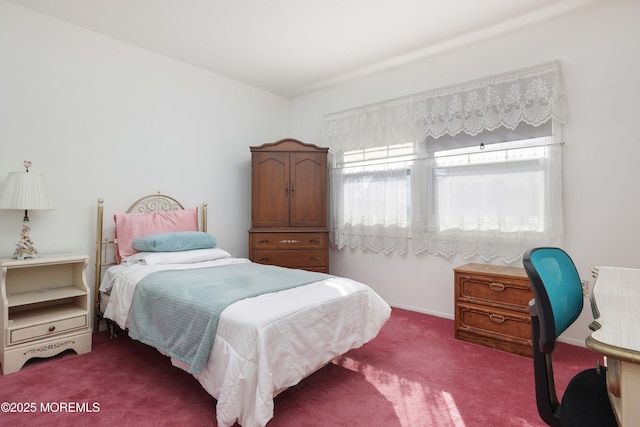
[291,47]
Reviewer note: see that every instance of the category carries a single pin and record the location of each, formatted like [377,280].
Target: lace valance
[531,95]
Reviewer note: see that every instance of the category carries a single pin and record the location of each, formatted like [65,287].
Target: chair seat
[586,402]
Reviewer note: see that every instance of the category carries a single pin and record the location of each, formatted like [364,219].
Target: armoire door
[308,190]
[270,189]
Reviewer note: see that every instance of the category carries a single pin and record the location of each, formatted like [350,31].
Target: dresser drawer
[502,292]
[46,329]
[293,258]
[288,240]
[494,321]
[501,329]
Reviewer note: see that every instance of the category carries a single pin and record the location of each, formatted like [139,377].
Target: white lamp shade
[25,191]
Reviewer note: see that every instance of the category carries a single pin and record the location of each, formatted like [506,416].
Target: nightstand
[46,308]
[492,307]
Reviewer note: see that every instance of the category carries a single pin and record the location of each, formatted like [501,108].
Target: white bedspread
[268,343]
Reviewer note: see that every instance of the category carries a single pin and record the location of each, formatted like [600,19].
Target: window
[493,202]
[478,190]
[410,167]
[371,198]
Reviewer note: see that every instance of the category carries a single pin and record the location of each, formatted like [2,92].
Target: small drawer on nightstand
[27,333]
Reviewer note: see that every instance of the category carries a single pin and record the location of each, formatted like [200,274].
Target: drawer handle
[315,258]
[314,241]
[496,318]
[496,286]
[52,328]
[263,241]
[264,259]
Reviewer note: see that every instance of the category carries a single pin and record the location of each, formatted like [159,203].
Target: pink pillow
[130,226]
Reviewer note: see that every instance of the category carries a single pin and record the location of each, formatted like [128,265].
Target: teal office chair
[557,304]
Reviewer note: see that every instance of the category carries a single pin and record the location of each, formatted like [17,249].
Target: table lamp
[25,191]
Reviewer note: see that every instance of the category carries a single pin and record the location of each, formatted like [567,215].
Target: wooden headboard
[151,203]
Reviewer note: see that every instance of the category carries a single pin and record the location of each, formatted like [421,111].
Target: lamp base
[25,255]
[24,248]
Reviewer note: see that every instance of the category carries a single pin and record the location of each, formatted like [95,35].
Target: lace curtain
[494,210]
[497,104]
[370,208]
[532,95]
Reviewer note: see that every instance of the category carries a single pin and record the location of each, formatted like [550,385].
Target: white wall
[598,48]
[101,118]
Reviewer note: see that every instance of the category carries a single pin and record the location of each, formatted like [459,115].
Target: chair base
[586,402]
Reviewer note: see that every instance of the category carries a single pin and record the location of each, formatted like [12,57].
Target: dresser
[289,205]
[491,307]
[46,308]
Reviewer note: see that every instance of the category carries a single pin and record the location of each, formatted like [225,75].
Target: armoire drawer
[288,240]
[291,258]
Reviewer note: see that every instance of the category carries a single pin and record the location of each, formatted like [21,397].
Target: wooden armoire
[289,205]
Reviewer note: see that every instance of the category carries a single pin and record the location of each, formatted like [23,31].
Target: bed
[169,277]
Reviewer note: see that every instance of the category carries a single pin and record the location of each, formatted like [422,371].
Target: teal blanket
[177,311]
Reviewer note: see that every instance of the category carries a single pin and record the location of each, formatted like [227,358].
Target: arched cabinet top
[289,145]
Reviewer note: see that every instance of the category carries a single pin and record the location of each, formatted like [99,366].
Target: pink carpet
[413,374]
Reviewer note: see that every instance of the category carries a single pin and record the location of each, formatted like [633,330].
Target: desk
[616,335]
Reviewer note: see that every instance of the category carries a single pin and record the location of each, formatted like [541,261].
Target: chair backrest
[557,290]
[558,302]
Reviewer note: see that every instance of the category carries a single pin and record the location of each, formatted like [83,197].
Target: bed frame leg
[112,330]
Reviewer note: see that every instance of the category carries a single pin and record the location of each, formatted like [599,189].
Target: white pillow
[182,257]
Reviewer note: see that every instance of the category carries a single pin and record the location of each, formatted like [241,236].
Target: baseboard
[421,310]
[572,341]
